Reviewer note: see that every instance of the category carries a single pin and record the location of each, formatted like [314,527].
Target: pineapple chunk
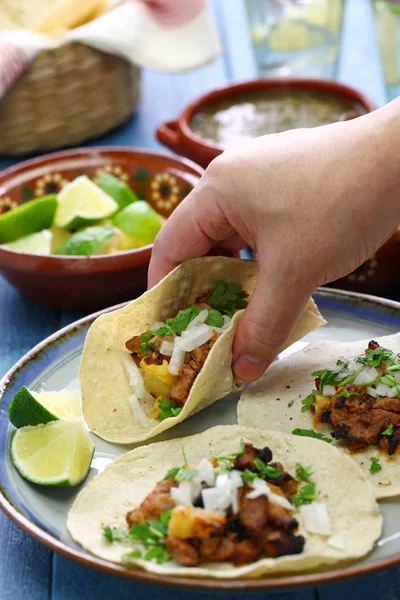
[189,522]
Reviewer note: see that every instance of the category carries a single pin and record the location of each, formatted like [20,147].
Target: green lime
[89,241]
[56,454]
[117,189]
[36,243]
[34,408]
[31,217]
[140,222]
[82,203]
[59,236]
[395,8]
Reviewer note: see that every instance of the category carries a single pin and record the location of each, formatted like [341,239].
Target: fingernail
[249,368]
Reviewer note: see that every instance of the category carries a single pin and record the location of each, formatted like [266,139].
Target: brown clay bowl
[179,136]
[90,283]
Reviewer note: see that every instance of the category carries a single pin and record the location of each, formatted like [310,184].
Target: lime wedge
[56,454]
[31,217]
[117,189]
[82,203]
[92,240]
[140,222]
[34,408]
[36,243]
[59,236]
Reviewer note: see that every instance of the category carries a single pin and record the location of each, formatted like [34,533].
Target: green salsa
[255,114]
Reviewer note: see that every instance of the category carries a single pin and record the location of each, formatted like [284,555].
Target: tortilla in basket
[110,406]
[275,402]
[340,486]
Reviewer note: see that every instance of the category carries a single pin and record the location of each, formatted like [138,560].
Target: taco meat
[257,526]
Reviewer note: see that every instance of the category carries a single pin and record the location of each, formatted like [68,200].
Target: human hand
[313,204]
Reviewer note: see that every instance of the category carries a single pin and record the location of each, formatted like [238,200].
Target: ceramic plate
[53,365]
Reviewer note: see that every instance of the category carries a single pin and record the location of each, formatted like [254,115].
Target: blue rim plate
[53,365]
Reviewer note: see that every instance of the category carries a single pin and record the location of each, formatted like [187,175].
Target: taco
[168,354]
[230,502]
[347,394]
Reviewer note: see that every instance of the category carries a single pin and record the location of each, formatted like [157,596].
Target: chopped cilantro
[150,534]
[248,476]
[181,321]
[214,319]
[168,408]
[185,474]
[388,430]
[311,433]
[228,298]
[308,402]
[375,465]
[172,473]
[374,358]
[387,380]
[290,404]
[129,555]
[303,473]
[266,471]
[185,460]
[229,458]
[346,394]
[114,534]
[394,368]
[334,377]
[145,342]
[306,495]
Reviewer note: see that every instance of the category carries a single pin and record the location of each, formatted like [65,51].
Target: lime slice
[89,241]
[119,191]
[82,203]
[140,222]
[34,408]
[59,236]
[31,217]
[56,454]
[36,243]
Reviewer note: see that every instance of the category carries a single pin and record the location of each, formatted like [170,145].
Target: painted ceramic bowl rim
[331,87]
[99,261]
[82,557]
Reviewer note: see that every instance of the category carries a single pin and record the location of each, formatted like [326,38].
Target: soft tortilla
[104,383]
[265,403]
[124,484]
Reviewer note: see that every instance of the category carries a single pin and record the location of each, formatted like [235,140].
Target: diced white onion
[236,479]
[199,320]
[383,390]
[362,378]
[210,497]
[316,518]
[185,493]
[167,348]
[177,358]
[329,390]
[371,372]
[135,378]
[372,392]
[392,393]
[396,375]
[139,416]
[205,473]
[222,480]
[227,323]
[261,488]
[194,338]
[156,325]
[234,501]
[337,542]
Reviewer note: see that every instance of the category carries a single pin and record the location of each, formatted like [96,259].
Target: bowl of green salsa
[240,112]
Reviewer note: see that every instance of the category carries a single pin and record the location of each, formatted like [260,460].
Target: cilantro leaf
[290,404]
[248,476]
[375,465]
[214,319]
[266,471]
[228,298]
[172,473]
[129,555]
[394,368]
[387,380]
[181,321]
[303,473]
[374,358]
[168,408]
[306,495]
[388,430]
[335,377]
[346,394]
[229,458]
[311,433]
[308,402]
[159,553]
[185,474]
[114,534]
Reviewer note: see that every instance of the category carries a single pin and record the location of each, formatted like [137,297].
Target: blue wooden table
[30,571]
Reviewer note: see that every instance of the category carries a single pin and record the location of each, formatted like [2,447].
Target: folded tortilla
[105,385]
[266,403]
[352,508]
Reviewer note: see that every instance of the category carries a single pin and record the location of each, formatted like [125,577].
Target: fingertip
[249,368]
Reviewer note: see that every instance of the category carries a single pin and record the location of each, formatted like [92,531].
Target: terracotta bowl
[179,136]
[90,283]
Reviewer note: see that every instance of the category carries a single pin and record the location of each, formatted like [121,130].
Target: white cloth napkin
[164,35]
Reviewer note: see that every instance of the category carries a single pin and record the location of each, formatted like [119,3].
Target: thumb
[273,310]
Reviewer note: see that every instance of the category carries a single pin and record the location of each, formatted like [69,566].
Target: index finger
[196,226]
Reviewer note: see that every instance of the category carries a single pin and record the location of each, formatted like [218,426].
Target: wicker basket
[68,95]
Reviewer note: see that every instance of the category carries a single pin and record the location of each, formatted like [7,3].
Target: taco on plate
[347,394]
[227,503]
[168,354]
